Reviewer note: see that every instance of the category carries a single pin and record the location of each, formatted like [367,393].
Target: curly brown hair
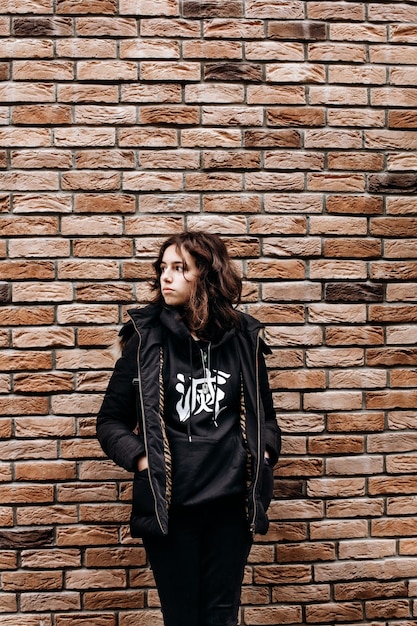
[212,306]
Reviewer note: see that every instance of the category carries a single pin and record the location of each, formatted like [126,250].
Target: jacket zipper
[145,438]
[258,417]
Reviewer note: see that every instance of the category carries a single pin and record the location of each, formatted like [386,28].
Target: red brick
[335,611]
[146,181]
[273,615]
[211,138]
[294,73]
[86,92]
[42,114]
[146,7]
[43,70]
[336,11]
[353,507]
[172,27]
[194,49]
[170,70]
[213,181]
[75,619]
[55,601]
[18,581]
[143,49]
[231,160]
[275,94]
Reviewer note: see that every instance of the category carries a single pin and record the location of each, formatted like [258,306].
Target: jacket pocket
[142,518]
[267,485]
[142,498]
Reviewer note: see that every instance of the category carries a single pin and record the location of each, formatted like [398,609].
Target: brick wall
[290,129]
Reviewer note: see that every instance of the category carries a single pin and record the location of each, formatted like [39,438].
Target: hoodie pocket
[207,469]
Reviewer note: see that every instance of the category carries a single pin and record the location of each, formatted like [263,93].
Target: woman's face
[178,275]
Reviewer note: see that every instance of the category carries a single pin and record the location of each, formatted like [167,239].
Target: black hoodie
[202,413]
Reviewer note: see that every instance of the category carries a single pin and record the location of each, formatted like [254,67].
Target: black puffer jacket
[130,422]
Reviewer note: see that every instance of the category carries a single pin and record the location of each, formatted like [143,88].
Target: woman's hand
[142,463]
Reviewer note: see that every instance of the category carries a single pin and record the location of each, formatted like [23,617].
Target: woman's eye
[176,268]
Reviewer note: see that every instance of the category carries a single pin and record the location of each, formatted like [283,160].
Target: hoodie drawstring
[190,344]
[215,413]
[207,373]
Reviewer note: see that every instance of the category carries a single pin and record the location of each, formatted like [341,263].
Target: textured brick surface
[290,129]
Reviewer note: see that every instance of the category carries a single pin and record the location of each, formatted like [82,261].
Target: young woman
[188,409]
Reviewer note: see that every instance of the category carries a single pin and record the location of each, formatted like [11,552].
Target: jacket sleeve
[272,429]
[118,416]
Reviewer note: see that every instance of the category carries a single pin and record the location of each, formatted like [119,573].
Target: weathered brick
[214,8]
[91,180]
[16,581]
[42,26]
[146,181]
[335,139]
[387,313]
[106,26]
[283,160]
[212,49]
[353,292]
[336,11]
[356,32]
[345,52]
[272,615]
[87,93]
[271,138]
[147,93]
[275,94]
[105,70]
[33,158]
[295,73]
[43,70]
[42,114]
[27,48]
[231,116]
[87,48]
[370,205]
[386,270]
[57,601]
[392,183]
[76,619]
[169,27]
[104,203]
[169,71]
[242,204]
[100,115]
[358,117]
[85,6]
[359,161]
[335,611]
[351,507]
[300,31]
[351,270]
[174,114]
[233,72]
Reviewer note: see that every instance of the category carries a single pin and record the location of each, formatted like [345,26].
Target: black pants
[199,566]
